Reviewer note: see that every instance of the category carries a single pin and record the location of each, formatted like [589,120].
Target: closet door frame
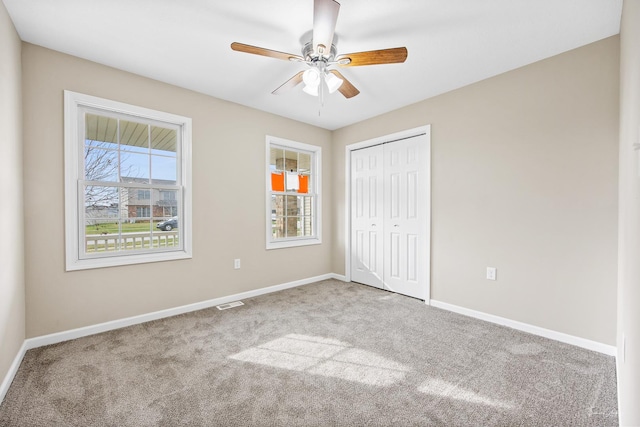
[426,129]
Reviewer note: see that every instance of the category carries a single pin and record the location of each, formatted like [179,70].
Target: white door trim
[347,192]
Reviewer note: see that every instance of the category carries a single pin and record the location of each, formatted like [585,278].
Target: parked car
[169,224]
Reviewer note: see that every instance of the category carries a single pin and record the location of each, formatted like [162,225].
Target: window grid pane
[291,212]
[120,218]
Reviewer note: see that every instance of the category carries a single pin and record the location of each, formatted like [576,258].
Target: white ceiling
[451,43]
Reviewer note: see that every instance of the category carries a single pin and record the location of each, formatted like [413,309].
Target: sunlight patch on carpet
[326,357]
[436,387]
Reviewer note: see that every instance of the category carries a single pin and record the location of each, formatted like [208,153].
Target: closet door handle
[373,225]
[396,225]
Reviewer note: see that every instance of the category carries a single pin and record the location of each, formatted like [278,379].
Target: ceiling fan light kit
[333,82]
[313,78]
[321,60]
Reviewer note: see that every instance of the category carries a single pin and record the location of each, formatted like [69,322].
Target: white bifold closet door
[366,216]
[390,216]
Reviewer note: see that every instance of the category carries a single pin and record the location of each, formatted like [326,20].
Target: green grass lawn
[112,228]
[111,241]
[105,243]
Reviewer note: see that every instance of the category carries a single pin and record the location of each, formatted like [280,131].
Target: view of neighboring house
[138,204]
[145,203]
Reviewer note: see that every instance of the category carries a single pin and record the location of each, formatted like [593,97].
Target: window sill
[115,261]
[293,243]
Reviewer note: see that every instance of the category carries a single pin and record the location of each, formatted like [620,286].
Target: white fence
[124,241]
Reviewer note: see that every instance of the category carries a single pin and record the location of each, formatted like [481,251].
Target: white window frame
[315,189]
[74,172]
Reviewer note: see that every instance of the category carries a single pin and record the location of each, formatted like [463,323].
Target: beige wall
[524,176]
[629,230]
[12,320]
[228,201]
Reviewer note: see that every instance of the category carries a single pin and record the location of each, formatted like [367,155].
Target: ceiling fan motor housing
[310,55]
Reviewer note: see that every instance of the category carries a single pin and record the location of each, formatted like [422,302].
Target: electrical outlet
[236,263]
[492,273]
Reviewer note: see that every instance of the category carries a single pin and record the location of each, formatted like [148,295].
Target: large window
[293,193]
[127,169]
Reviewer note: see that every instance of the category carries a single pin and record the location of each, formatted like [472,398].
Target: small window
[293,193]
[167,195]
[127,169]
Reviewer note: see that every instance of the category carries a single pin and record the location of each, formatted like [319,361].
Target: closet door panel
[406,216]
[366,216]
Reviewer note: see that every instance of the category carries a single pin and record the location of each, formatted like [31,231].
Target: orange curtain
[304,184]
[277,181]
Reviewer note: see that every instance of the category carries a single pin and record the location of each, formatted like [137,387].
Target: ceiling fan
[321,55]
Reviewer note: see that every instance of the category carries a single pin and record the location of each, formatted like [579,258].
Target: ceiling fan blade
[325,16]
[374,57]
[346,88]
[247,48]
[289,84]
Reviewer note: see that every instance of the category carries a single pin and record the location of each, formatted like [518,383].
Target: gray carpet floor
[325,354]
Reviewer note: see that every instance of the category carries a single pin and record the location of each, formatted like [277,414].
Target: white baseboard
[525,327]
[13,370]
[121,323]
